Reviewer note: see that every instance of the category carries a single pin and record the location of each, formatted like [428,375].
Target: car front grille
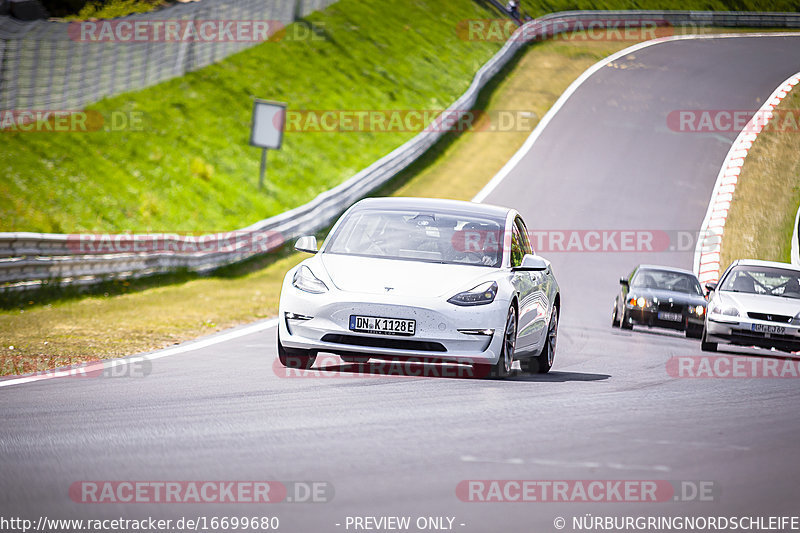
[384,342]
[785,319]
[670,307]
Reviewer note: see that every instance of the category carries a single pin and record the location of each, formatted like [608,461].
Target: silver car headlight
[725,311]
[796,320]
[481,295]
[305,280]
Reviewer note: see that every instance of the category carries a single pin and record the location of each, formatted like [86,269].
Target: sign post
[267,130]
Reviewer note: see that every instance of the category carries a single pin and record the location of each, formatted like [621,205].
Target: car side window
[523,231]
[517,250]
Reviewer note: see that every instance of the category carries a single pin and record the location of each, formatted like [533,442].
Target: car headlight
[796,320]
[641,301]
[481,295]
[725,311]
[697,310]
[305,280]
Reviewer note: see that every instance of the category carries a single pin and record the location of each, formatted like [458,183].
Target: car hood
[761,303]
[664,296]
[369,275]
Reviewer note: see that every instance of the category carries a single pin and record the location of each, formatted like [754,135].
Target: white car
[756,303]
[422,280]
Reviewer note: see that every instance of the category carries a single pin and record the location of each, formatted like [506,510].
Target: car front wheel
[625,320]
[294,358]
[694,332]
[502,368]
[705,345]
[542,363]
[614,317]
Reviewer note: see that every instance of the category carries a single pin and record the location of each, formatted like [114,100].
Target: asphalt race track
[400,445]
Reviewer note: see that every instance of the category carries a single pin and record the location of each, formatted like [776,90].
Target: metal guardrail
[45,65]
[29,259]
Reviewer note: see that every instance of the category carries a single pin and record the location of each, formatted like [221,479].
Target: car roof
[397,202]
[758,262]
[667,268]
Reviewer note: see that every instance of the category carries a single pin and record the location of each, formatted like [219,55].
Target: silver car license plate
[383,326]
[766,328]
[672,317]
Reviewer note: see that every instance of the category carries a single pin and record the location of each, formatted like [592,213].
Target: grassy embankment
[761,218]
[187,165]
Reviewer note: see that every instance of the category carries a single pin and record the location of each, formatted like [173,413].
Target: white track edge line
[748,131]
[537,131]
[166,352]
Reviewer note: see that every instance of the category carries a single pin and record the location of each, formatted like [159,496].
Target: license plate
[383,326]
[766,328]
[672,317]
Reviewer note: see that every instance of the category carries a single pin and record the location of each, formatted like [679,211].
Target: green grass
[190,167]
[115,8]
[761,218]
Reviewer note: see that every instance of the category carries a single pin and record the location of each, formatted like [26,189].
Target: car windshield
[437,237]
[667,280]
[763,280]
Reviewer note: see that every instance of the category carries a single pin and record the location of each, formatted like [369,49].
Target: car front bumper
[325,327]
[740,332]
[649,317]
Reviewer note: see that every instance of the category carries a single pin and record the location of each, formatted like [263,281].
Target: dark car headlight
[481,295]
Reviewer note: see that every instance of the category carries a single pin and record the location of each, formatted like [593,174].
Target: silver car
[426,280]
[755,303]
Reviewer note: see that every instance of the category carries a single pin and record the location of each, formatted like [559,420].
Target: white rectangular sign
[268,121]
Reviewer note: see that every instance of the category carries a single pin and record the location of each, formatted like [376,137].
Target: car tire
[705,345]
[614,318]
[694,332]
[625,322]
[542,363]
[294,358]
[502,368]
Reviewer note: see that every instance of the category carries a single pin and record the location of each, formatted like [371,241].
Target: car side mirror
[531,263]
[623,282]
[711,287]
[307,244]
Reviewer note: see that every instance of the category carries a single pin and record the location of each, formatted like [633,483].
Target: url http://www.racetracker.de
[583,522]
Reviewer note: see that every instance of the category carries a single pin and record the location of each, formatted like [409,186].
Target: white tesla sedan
[756,303]
[422,280]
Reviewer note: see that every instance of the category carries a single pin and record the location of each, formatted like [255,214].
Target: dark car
[663,297]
